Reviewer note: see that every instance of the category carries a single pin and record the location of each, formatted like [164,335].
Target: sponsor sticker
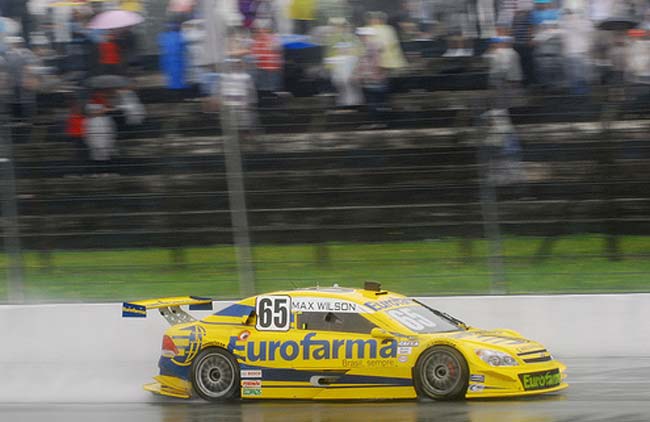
[541,380]
[251,383]
[251,392]
[476,388]
[403,350]
[477,378]
[251,373]
[408,343]
[244,335]
[394,302]
[311,347]
[403,358]
[323,304]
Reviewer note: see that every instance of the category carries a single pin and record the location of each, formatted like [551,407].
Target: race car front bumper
[524,380]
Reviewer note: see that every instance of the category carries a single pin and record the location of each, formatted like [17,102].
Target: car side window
[334,321]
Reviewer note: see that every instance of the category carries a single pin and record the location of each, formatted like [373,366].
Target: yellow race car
[340,343]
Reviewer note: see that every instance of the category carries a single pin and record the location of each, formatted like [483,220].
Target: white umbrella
[114,19]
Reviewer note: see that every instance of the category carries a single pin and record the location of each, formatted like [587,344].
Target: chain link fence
[452,196]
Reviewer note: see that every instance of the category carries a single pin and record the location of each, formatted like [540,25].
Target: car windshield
[422,319]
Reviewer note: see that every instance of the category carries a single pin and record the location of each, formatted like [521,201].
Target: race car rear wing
[168,307]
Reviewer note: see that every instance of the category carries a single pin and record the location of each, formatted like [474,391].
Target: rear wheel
[441,373]
[215,375]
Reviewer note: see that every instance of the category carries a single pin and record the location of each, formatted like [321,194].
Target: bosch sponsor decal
[541,380]
[476,388]
[394,302]
[323,304]
[477,378]
[403,359]
[404,350]
[309,348]
[251,373]
[251,383]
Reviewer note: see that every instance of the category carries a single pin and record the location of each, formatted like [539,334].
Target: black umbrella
[108,82]
[617,24]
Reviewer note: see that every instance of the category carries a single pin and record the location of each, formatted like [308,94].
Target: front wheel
[441,373]
[215,375]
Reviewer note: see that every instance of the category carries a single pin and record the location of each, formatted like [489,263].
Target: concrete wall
[88,352]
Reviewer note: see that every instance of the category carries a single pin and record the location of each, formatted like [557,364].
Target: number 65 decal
[273,313]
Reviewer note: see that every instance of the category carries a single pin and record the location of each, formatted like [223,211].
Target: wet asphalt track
[605,389]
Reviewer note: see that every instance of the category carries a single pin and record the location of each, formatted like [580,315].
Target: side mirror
[381,333]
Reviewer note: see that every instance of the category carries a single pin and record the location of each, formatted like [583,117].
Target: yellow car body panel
[301,360]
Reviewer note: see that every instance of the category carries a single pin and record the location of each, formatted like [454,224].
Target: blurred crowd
[246,54]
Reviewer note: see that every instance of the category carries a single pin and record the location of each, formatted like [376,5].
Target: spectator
[194,35]
[267,55]
[81,51]
[23,79]
[343,49]
[238,95]
[76,132]
[545,10]
[302,12]
[549,56]
[17,10]
[332,9]
[522,33]
[505,71]
[392,57]
[639,57]
[459,18]
[130,106]
[110,57]
[248,9]
[173,58]
[131,5]
[577,32]
[100,134]
[372,77]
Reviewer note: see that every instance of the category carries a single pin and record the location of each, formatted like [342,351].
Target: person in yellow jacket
[392,57]
[303,13]
[131,5]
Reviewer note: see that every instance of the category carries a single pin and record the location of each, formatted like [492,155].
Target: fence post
[490,212]
[11,231]
[237,200]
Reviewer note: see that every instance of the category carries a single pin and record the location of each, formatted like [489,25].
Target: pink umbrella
[114,19]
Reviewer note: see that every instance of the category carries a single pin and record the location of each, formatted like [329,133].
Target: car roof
[360,296]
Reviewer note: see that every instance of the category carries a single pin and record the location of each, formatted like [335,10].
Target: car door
[340,341]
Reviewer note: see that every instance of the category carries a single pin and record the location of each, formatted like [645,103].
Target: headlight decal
[495,357]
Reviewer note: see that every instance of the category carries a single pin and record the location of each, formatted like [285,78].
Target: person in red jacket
[75,132]
[110,57]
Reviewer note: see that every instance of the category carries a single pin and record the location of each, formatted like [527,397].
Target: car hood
[504,340]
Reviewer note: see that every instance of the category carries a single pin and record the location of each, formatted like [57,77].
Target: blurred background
[228,147]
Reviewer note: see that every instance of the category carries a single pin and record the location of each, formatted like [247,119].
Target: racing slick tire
[215,375]
[441,373]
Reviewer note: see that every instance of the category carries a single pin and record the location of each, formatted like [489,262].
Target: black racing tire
[441,373]
[215,375]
